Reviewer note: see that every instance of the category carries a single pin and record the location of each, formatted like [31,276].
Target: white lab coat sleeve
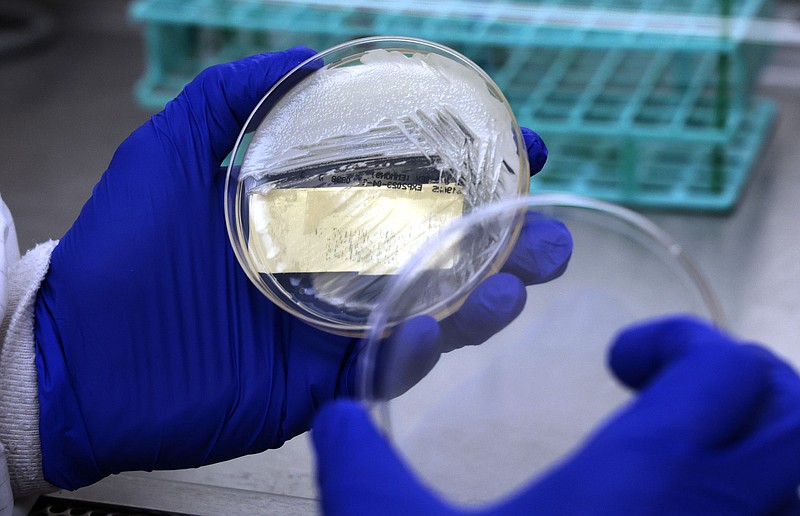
[21,455]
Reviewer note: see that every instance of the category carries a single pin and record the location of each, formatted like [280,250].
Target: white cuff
[19,400]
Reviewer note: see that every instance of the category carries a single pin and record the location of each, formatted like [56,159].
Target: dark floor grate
[51,506]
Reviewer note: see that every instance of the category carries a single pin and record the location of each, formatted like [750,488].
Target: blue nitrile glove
[154,350]
[715,430]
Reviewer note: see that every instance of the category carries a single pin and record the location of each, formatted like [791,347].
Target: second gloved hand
[715,430]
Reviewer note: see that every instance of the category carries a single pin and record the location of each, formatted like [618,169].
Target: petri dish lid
[357,157]
[481,421]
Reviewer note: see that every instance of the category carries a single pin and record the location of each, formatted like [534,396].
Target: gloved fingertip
[537,150]
[335,421]
[301,49]
[422,328]
[502,295]
[640,351]
[403,359]
[492,306]
[542,251]
[267,68]
[628,359]
[295,55]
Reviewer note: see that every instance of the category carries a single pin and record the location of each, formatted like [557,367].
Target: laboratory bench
[66,105]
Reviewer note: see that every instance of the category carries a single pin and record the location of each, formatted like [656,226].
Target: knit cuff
[19,400]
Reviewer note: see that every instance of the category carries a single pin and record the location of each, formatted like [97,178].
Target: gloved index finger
[492,306]
[697,384]
[401,360]
[542,251]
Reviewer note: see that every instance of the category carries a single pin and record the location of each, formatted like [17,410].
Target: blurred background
[684,110]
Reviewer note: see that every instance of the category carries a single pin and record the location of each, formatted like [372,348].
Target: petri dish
[354,160]
[479,422]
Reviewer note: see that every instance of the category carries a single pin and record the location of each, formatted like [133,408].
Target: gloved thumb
[717,381]
[211,110]
[357,470]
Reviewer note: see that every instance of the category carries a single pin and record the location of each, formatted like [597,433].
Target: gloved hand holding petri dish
[355,159]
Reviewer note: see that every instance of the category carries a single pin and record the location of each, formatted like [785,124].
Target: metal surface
[147,495]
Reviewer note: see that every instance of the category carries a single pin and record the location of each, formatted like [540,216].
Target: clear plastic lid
[477,421]
[355,159]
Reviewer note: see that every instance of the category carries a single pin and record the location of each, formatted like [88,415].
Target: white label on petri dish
[369,230]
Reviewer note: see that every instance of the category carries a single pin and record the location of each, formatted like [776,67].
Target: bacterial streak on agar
[459,140]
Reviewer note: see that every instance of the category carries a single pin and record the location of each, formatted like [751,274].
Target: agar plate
[354,160]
